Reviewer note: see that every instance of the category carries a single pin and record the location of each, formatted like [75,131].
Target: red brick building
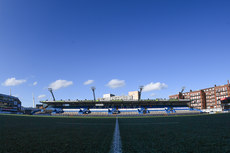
[205,98]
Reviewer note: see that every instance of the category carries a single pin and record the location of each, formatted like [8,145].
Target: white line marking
[116,146]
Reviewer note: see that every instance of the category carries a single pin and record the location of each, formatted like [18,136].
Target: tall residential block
[205,98]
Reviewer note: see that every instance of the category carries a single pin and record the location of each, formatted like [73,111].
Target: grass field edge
[112,117]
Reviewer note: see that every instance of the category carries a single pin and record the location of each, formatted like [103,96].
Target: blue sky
[164,44]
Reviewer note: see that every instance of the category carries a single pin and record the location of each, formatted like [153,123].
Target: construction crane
[51,91]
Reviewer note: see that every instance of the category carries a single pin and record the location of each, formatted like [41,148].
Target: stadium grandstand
[142,107]
[9,104]
[117,105]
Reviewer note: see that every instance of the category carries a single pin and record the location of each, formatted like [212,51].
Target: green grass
[197,133]
[203,133]
[53,134]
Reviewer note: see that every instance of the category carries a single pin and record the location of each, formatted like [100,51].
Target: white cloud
[41,96]
[115,83]
[153,95]
[13,82]
[60,84]
[88,82]
[154,86]
[35,83]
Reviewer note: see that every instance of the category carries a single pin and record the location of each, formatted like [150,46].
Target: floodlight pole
[33,100]
[51,91]
[141,88]
[93,89]
[182,89]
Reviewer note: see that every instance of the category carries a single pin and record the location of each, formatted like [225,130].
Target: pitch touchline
[116,146]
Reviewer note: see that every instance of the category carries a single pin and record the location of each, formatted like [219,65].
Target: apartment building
[205,98]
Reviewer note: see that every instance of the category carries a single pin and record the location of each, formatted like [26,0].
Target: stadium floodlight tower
[141,88]
[51,91]
[182,89]
[181,96]
[93,89]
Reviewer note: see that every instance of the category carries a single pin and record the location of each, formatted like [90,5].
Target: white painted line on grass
[116,146]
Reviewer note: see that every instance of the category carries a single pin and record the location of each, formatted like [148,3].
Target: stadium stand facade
[9,104]
[120,108]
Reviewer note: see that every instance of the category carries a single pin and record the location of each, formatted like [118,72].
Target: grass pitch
[32,134]
[201,133]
